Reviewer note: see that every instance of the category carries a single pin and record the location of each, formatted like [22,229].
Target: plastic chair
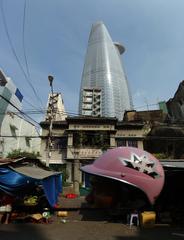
[132,217]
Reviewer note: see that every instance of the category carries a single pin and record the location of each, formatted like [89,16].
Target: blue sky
[56,35]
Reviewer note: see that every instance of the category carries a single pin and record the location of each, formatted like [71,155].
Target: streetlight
[50,78]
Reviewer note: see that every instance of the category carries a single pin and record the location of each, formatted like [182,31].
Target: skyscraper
[103,70]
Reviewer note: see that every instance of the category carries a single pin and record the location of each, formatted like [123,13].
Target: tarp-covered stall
[16,179]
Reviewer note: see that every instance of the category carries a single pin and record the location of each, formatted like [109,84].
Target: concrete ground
[85,230]
[83,223]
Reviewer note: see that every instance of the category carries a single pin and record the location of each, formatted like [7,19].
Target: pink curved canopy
[133,166]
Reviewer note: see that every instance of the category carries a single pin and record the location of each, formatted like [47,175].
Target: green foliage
[18,153]
[95,139]
[160,155]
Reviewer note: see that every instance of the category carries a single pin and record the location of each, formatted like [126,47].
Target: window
[28,139]
[13,129]
[121,142]
[132,143]
[59,143]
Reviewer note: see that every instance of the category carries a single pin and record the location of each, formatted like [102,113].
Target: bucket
[62,213]
[147,219]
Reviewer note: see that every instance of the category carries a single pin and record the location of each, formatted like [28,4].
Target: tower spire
[103,70]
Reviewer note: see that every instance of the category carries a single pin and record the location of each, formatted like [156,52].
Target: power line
[23,39]
[19,110]
[22,136]
[45,110]
[166,137]
[92,134]
[9,39]
[14,52]
[25,100]
[25,55]
[147,105]
[38,112]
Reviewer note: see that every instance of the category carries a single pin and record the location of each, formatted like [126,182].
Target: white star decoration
[142,164]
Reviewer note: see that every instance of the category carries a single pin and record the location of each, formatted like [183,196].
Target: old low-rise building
[166,140]
[77,141]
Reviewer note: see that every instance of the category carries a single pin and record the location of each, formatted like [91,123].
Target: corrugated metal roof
[6,161]
[34,172]
[173,164]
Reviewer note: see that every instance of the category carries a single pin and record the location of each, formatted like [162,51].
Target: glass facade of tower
[103,69]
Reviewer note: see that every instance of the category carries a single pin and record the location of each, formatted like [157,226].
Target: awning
[16,180]
[7,161]
[172,164]
[34,172]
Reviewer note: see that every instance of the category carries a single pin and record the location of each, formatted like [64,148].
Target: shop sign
[89,153]
[92,127]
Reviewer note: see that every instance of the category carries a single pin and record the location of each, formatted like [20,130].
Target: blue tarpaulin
[16,183]
[49,184]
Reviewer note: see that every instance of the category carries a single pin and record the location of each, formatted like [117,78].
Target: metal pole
[50,78]
[76,179]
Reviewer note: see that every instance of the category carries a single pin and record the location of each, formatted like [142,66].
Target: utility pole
[50,78]
[76,176]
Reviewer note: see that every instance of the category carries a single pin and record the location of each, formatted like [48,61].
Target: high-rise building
[16,131]
[103,70]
